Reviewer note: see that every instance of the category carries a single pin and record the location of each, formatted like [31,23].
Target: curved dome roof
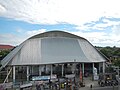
[53,47]
[55,34]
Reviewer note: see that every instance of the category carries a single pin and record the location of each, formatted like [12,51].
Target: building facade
[54,52]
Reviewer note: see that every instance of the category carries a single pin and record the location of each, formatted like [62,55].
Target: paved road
[106,88]
[95,85]
[100,88]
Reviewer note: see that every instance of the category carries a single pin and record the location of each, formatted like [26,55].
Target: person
[86,74]
[38,87]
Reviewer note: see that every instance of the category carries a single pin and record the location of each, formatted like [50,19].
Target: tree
[117,52]
[3,53]
[116,62]
[107,51]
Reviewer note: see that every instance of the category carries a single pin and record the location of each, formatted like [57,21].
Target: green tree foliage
[109,70]
[110,51]
[3,53]
[117,52]
[113,53]
[107,51]
[117,62]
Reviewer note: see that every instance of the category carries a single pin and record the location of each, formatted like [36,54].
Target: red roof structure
[6,47]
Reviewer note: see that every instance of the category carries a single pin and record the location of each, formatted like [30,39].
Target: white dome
[53,47]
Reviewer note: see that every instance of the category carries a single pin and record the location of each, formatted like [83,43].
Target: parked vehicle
[107,79]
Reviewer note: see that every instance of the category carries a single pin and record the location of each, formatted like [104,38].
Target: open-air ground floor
[88,82]
[71,72]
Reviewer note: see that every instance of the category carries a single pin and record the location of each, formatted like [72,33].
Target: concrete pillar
[73,68]
[32,69]
[99,68]
[51,71]
[27,73]
[40,68]
[45,69]
[83,68]
[93,68]
[13,74]
[103,67]
[93,71]
[62,70]
[7,73]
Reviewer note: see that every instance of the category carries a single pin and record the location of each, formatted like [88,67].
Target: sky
[96,20]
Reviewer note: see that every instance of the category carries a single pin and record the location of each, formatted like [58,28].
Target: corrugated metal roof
[6,47]
[54,48]
[56,34]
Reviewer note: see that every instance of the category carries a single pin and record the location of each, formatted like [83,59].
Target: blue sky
[96,20]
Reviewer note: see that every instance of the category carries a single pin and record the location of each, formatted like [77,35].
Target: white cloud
[11,39]
[96,38]
[2,9]
[75,12]
[34,32]
[116,30]
[102,25]
[106,24]
[22,35]
[100,38]
[115,34]
[19,30]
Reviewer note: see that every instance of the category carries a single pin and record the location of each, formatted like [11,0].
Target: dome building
[43,53]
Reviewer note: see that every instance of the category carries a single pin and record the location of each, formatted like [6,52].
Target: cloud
[34,32]
[19,30]
[106,23]
[86,15]
[2,9]
[100,38]
[100,24]
[116,30]
[22,35]
[11,39]
[115,34]
[96,38]
[75,12]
